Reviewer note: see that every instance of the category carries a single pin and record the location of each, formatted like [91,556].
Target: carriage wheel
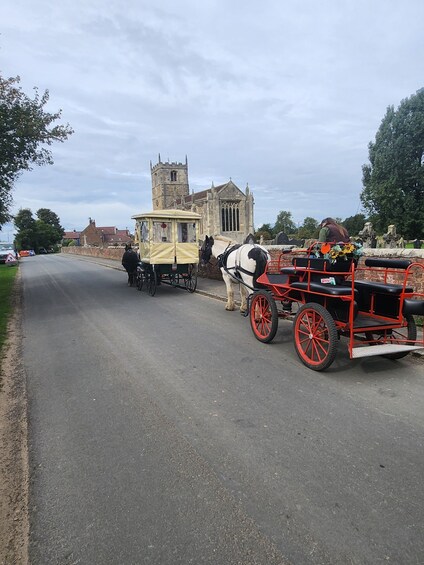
[263,316]
[174,279]
[315,336]
[398,335]
[151,282]
[190,280]
[140,279]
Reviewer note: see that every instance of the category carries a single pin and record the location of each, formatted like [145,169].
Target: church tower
[169,183]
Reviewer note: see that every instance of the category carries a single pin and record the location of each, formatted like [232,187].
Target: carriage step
[383,349]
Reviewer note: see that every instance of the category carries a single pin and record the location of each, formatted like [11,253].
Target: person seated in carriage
[333,232]
[129,262]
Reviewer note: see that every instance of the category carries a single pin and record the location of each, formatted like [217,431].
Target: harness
[234,272]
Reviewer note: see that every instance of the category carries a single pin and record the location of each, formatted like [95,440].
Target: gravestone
[417,243]
[391,238]
[368,236]
[250,239]
[281,238]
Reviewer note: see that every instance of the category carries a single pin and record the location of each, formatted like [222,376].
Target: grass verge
[7,278]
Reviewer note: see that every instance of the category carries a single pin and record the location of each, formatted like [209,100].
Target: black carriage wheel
[174,279]
[140,279]
[315,336]
[151,282]
[190,280]
[398,335]
[263,315]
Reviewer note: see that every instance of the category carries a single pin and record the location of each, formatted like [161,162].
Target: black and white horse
[240,264]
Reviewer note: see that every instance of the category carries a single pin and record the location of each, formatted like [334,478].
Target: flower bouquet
[337,251]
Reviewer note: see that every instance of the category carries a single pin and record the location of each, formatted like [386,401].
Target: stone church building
[225,209]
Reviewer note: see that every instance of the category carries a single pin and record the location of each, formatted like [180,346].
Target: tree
[25,129]
[354,224]
[50,218]
[33,234]
[266,230]
[309,228]
[284,223]
[393,181]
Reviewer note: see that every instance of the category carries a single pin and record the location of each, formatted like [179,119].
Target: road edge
[14,463]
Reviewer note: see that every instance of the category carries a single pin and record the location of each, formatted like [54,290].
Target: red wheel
[263,316]
[315,336]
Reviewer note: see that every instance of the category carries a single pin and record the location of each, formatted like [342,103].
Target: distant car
[42,251]
[8,254]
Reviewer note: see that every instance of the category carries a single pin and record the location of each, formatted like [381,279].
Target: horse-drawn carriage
[329,296]
[169,249]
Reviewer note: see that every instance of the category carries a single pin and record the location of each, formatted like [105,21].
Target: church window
[230,216]
[173,176]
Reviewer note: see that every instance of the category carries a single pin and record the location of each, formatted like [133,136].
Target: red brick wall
[211,271]
[107,253]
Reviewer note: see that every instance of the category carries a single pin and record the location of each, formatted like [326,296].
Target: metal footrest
[383,349]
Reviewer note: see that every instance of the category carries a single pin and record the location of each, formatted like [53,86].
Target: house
[73,236]
[104,236]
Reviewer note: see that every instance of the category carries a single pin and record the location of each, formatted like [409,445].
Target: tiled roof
[72,235]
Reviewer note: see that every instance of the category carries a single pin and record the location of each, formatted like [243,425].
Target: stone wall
[107,253]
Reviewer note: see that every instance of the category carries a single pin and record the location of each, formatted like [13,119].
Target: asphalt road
[162,432]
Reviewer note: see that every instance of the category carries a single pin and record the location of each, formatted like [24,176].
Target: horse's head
[206,251]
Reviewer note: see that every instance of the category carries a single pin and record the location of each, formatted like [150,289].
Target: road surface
[162,432]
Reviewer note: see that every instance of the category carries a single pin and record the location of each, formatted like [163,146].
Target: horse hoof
[229,308]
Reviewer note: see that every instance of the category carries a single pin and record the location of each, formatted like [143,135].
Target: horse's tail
[261,257]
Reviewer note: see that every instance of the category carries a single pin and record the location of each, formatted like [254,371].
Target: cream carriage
[168,242]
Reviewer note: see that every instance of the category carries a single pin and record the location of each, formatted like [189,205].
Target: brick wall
[211,271]
[107,253]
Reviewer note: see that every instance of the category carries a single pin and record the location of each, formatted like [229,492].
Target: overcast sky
[282,95]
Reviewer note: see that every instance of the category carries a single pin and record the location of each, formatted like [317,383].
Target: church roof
[196,196]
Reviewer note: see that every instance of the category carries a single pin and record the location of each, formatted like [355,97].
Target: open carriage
[169,249]
[329,296]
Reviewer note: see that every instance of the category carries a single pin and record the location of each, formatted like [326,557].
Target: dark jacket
[130,260]
[334,233]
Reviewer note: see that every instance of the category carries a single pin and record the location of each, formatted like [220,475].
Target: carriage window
[144,231]
[186,232]
[173,176]
[162,232]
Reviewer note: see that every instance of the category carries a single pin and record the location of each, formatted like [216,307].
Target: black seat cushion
[386,288]
[329,289]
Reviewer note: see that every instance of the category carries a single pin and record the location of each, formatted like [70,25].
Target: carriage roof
[168,214]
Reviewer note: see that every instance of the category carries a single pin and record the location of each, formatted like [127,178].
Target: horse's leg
[244,293]
[230,292]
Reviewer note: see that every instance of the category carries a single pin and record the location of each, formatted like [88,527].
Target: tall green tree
[285,223]
[25,131]
[393,181]
[309,229]
[50,218]
[33,234]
